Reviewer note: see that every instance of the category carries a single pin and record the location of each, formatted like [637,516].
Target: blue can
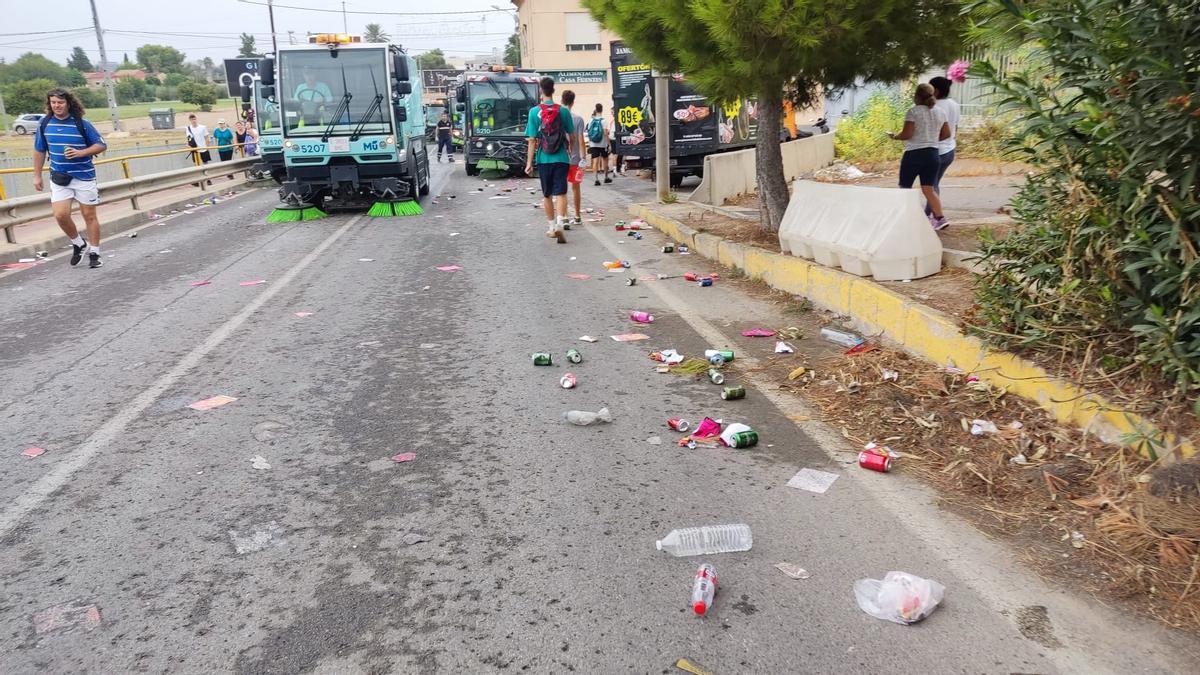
[706,281]
[637,235]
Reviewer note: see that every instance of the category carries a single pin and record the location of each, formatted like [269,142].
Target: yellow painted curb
[929,334]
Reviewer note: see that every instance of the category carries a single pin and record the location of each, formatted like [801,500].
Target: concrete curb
[926,333]
[108,229]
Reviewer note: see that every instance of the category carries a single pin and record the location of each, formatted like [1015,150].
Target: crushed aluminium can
[631,281]
[679,424]
[875,461]
[689,276]
[542,359]
[706,281]
[733,393]
[669,248]
[744,439]
[567,381]
[715,376]
[574,356]
[683,249]
[637,235]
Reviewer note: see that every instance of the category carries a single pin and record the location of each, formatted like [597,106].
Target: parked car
[25,124]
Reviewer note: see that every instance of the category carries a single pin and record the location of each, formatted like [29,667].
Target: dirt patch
[1034,623]
[738,230]
[950,291]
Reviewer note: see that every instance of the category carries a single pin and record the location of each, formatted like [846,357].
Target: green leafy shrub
[989,139]
[862,137]
[1107,261]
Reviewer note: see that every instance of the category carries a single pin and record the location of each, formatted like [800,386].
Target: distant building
[560,38]
[97,79]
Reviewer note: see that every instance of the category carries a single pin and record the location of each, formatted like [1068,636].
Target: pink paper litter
[303,314]
[204,283]
[449,268]
[252,283]
[579,277]
[66,615]
[212,402]
[405,457]
[708,427]
[758,332]
[17,266]
[630,337]
[34,452]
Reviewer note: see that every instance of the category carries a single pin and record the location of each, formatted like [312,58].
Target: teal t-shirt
[535,125]
[223,137]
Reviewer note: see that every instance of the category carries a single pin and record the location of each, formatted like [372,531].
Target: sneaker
[94,260]
[559,237]
[451,160]
[77,253]
[940,223]
[439,159]
[597,181]
[606,180]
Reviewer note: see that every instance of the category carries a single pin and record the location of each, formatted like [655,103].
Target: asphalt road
[274,534]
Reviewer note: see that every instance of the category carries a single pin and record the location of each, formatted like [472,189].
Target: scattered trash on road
[718,356]
[812,480]
[543,359]
[875,458]
[629,337]
[739,436]
[704,588]
[1077,539]
[587,338]
[889,375]
[34,452]
[758,332]
[404,457]
[574,356]
[793,571]
[706,540]
[303,314]
[981,427]
[567,381]
[899,597]
[205,282]
[67,615]
[797,373]
[256,282]
[631,281]
[583,418]
[667,356]
[616,264]
[733,393]
[837,337]
[641,317]
[782,347]
[212,402]
[690,667]
[669,248]
[579,277]
[448,268]
[366,260]
[708,427]
[260,462]
[715,376]
[27,260]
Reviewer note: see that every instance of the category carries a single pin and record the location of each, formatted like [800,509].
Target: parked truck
[494,105]
[698,127]
[352,126]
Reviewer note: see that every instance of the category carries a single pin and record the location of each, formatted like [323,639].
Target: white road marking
[111,430]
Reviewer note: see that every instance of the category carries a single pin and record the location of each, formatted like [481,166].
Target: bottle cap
[700,608]
[658,544]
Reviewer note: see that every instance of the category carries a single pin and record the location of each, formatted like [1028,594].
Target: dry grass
[1139,520]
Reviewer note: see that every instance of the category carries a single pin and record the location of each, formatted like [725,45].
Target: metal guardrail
[21,210]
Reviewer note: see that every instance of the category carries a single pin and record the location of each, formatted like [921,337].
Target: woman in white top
[924,127]
[941,85]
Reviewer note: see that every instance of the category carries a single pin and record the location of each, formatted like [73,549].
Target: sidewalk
[45,235]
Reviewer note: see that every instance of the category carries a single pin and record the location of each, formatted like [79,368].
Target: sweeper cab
[353,132]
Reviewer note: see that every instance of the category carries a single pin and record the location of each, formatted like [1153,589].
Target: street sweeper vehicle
[353,130]
[270,135]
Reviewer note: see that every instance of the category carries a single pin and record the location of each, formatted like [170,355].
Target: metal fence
[21,184]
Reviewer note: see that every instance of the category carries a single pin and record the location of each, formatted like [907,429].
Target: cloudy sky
[202,28]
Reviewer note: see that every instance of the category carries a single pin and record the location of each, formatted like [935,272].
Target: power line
[350,11]
[47,32]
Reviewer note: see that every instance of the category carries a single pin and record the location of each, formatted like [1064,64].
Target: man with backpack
[576,173]
[597,137]
[550,130]
[71,142]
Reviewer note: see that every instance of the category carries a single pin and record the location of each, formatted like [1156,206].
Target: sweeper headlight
[388,141]
[289,145]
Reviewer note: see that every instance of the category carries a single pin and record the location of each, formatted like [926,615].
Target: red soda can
[689,276]
[679,424]
[874,461]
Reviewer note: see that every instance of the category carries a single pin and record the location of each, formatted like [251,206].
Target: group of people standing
[930,138]
[557,137]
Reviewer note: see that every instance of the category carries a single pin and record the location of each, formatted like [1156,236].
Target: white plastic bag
[900,597]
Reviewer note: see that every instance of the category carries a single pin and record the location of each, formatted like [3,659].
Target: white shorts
[82,191]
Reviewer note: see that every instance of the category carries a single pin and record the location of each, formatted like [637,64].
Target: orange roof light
[502,69]
[333,39]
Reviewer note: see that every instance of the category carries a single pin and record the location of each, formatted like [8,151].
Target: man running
[71,142]
[549,131]
[576,173]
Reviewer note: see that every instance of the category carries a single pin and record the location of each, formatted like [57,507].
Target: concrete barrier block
[866,231]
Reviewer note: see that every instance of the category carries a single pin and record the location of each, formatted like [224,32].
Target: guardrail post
[132,200]
[9,236]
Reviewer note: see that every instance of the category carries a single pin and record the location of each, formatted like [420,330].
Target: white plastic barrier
[729,174]
[866,231]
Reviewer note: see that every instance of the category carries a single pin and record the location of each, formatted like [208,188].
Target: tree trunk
[772,186]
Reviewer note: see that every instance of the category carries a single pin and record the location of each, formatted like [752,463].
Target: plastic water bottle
[706,540]
[585,418]
[704,587]
[837,337]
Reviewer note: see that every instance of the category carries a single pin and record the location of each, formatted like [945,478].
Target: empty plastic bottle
[704,588]
[706,540]
[837,337]
[584,418]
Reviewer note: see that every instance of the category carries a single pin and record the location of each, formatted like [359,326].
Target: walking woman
[924,127]
[941,86]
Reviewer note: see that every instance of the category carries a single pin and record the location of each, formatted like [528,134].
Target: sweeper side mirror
[400,67]
[266,71]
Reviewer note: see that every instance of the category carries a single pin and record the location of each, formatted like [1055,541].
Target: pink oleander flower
[957,72]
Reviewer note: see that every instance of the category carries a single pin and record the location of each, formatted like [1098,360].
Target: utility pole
[108,85]
[271,14]
[662,133]
[345,24]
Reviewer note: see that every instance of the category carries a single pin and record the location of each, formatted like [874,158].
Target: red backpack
[550,136]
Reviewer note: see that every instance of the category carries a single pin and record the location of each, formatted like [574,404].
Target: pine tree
[79,61]
[248,50]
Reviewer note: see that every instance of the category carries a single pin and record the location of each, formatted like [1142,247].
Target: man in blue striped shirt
[70,141]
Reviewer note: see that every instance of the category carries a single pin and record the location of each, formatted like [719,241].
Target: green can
[726,354]
[542,359]
[744,439]
[573,356]
[669,248]
[715,376]
[733,393]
